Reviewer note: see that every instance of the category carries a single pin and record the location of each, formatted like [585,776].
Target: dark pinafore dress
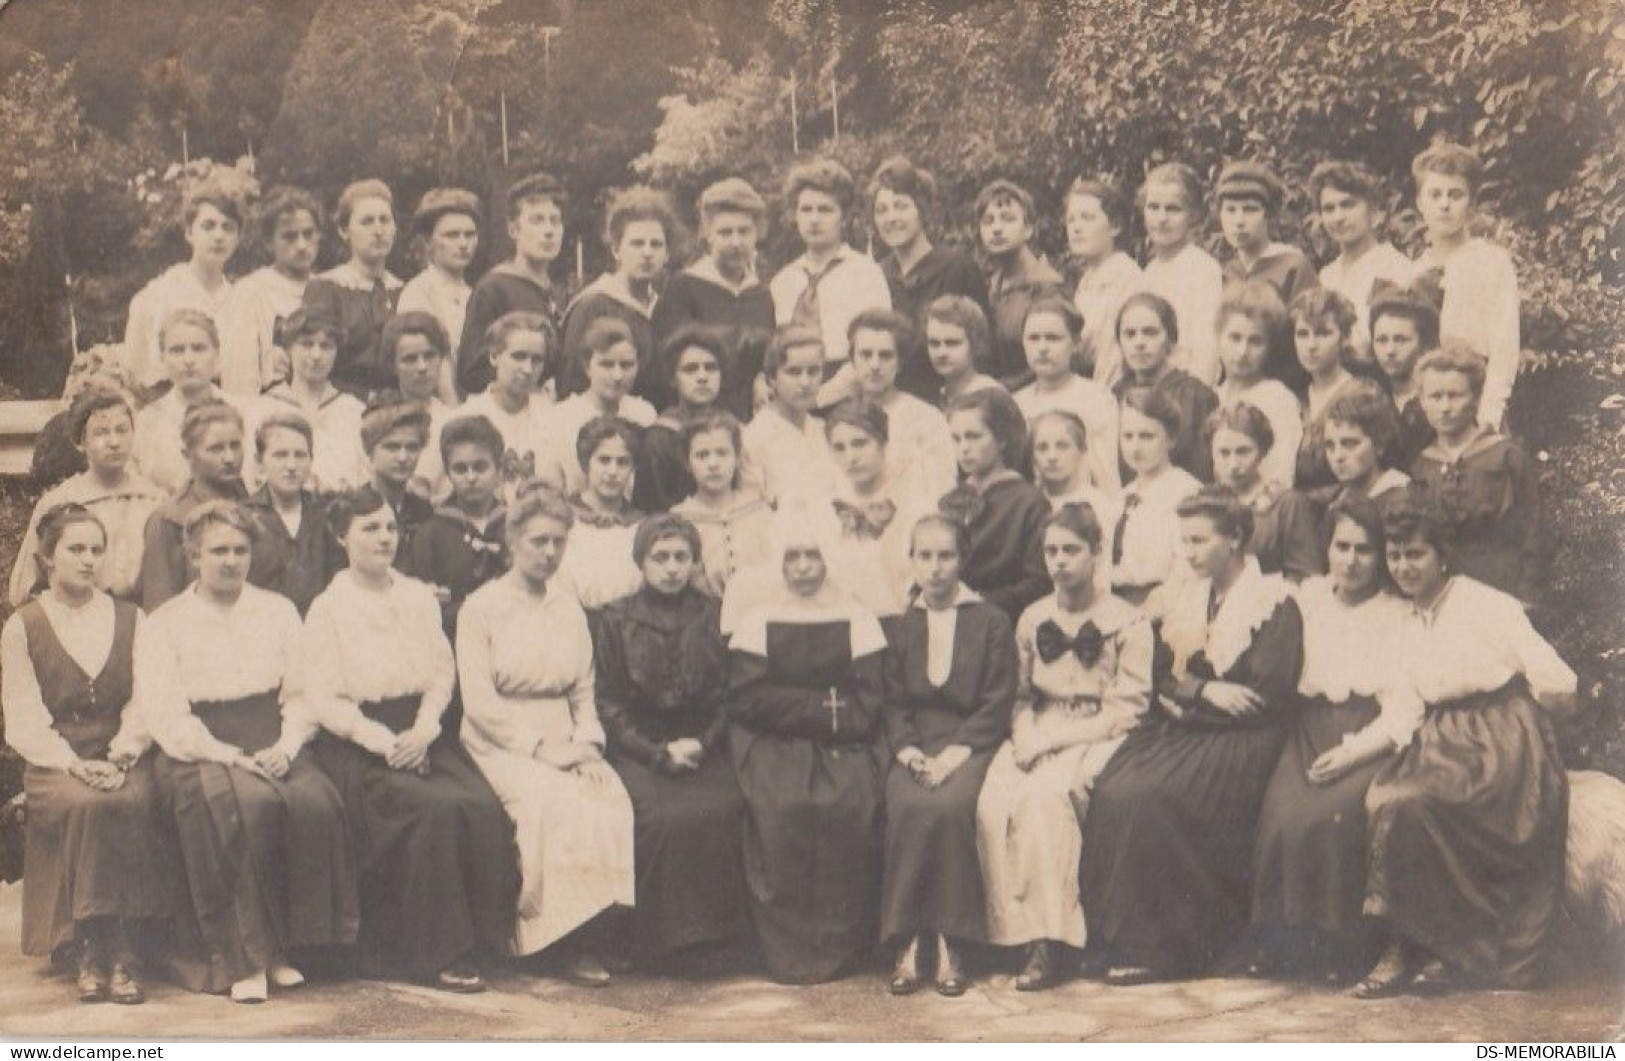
[268,865]
[87,854]
[439,867]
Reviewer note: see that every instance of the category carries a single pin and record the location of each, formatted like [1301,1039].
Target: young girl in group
[599,562]
[1006,224]
[691,361]
[447,225]
[1052,336]
[876,508]
[1286,533]
[956,341]
[463,546]
[294,554]
[920,445]
[337,463]
[734,521]
[785,442]
[393,434]
[416,352]
[1097,223]
[252,355]
[1483,481]
[1142,546]
[189,346]
[1359,432]
[1060,448]
[1404,326]
[1322,324]
[1351,203]
[212,445]
[1179,270]
[609,357]
[1252,320]
[1147,331]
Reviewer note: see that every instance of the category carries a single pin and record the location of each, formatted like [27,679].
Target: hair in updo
[53,525]
[204,415]
[1002,416]
[1230,515]
[862,413]
[351,504]
[657,528]
[92,401]
[195,318]
[537,499]
[219,513]
[1161,307]
[1363,512]
[941,522]
[601,429]
[1080,519]
[1244,418]
[1414,514]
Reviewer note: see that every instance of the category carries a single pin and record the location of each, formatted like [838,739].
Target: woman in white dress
[876,507]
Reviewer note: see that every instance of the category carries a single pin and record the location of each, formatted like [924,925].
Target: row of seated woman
[1354,775]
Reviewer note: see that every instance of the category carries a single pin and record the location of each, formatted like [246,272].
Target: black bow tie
[1086,644]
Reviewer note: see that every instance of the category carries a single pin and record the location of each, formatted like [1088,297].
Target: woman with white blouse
[438,875]
[261,831]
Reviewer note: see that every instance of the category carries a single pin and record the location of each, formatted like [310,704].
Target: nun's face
[804,569]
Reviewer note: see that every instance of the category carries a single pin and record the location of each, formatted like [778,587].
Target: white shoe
[285,976]
[250,989]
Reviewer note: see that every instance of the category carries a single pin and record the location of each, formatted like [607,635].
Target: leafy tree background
[101,101]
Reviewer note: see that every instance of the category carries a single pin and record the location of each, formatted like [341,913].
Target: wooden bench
[20,425]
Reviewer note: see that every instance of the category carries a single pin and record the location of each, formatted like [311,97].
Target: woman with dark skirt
[950,683]
[439,872]
[92,860]
[1354,712]
[267,858]
[1467,826]
[1168,841]
[662,677]
[804,702]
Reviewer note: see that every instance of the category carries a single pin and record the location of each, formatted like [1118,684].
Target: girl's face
[796,383]
[475,475]
[1004,227]
[295,242]
[1416,568]
[1144,341]
[713,460]
[1049,346]
[897,218]
[609,470]
[698,377]
[371,231]
[804,569]
[1208,552]
[518,368]
[1057,457]
[537,547]
[1395,344]
[286,461]
[1090,234]
[311,357]
[1069,559]
[395,457]
[538,231]
[641,253]
[221,558]
[668,565]
[1236,457]
[1168,217]
[212,236]
[1447,401]
[1350,452]
[1319,345]
[818,219]
[610,373]
[74,564]
[874,361]
[216,457]
[860,455]
[1243,348]
[730,238]
[370,541]
[1246,224]
[935,561]
[109,434]
[1352,559]
[976,447]
[453,242]
[417,367]
[191,358]
[1347,218]
[1145,442]
[948,347]
[1446,204]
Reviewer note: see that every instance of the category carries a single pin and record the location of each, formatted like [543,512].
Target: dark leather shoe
[951,979]
[124,987]
[905,978]
[1043,968]
[92,980]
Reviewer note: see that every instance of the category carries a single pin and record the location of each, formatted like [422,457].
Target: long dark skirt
[1468,828]
[1309,869]
[1168,842]
[89,854]
[933,875]
[268,865]
[439,867]
[687,850]
[812,850]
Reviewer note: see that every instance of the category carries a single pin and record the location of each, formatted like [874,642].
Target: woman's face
[1145,442]
[1445,203]
[74,564]
[518,368]
[713,460]
[610,373]
[948,347]
[1057,457]
[799,376]
[1350,452]
[1352,559]
[976,447]
[286,461]
[109,435]
[1069,559]
[311,357]
[1004,227]
[452,243]
[1090,234]
[935,561]
[417,367]
[1048,345]
[371,539]
[1243,348]
[860,455]
[216,456]
[221,558]
[1448,401]
[212,236]
[538,231]
[874,361]
[818,219]
[295,242]
[668,565]
[474,473]
[191,358]
[1319,345]
[537,547]
[1144,340]
[730,239]
[1416,568]
[1236,456]
[698,377]
[641,253]
[371,231]
[1395,344]
[1207,551]
[804,569]
[609,470]
[897,218]
[395,457]
[1168,217]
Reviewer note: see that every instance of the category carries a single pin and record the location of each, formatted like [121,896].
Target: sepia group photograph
[812,521]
